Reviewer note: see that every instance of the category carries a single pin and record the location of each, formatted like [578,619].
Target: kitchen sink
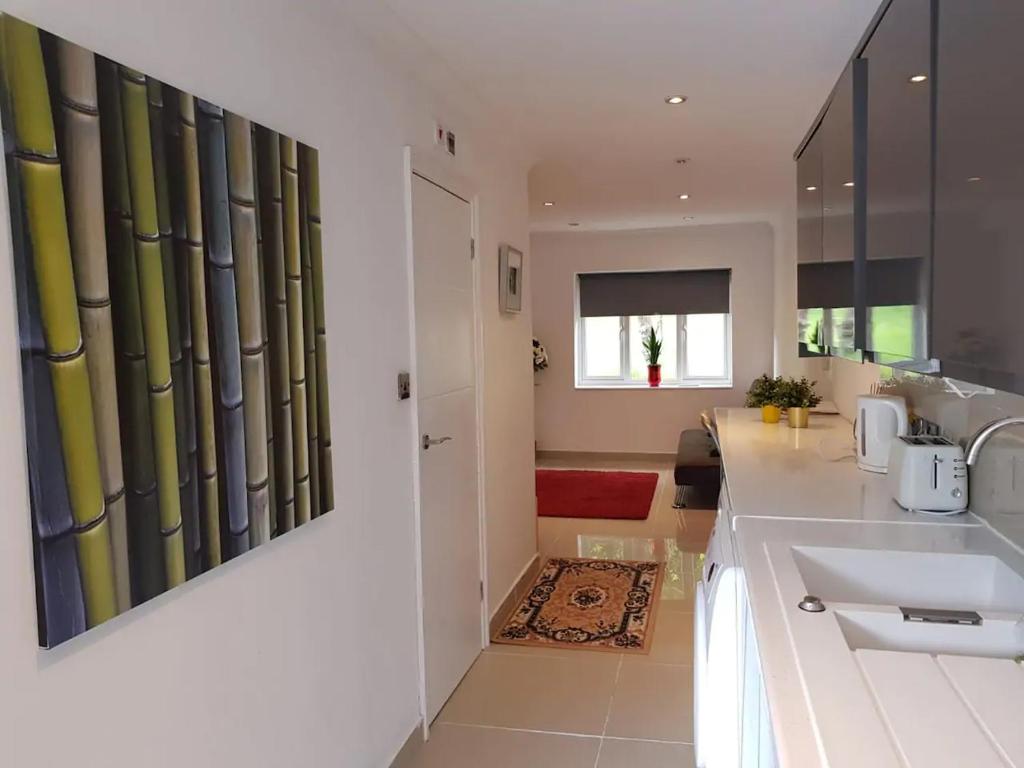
[907,578]
[886,630]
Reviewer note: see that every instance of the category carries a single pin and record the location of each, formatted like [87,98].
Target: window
[689,310]
[695,350]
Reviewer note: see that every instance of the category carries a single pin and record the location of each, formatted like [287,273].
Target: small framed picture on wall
[510,277]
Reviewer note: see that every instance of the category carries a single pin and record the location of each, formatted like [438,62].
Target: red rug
[603,495]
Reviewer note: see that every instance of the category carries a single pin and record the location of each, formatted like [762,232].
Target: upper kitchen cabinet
[808,201]
[837,172]
[978,262]
[810,333]
[842,138]
[898,190]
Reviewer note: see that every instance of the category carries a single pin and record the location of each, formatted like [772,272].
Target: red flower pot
[654,375]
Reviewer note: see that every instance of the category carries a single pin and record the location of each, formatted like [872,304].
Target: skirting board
[407,754]
[515,594]
[584,456]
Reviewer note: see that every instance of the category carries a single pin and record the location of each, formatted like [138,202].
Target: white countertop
[775,471]
[832,706]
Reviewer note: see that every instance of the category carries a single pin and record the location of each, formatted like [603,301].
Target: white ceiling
[584,82]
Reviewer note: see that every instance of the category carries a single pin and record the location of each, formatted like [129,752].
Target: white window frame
[622,380]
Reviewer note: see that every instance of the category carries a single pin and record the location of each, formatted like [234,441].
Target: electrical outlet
[404,386]
[450,143]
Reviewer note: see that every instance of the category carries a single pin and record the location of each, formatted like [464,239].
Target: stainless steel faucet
[976,443]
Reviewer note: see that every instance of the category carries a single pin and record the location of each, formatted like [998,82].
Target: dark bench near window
[698,472]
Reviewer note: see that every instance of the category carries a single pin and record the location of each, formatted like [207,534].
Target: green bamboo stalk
[271,214]
[242,193]
[152,293]
[309,340]
[145,547]
[323,410]
[201,370]
[83,169]
[296,343]
[267,397]
[40,173]
[189,512]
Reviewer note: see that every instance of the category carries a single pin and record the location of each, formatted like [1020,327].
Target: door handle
[429,441]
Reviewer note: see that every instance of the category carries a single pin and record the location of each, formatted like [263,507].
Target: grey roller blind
[679,292]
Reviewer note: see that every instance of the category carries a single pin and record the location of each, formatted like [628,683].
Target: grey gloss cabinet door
[808,201]
[978,266]
[810,315]
[898,189]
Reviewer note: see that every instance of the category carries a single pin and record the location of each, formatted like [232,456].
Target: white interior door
[447,414]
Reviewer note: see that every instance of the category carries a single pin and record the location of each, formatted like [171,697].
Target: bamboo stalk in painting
[40,175]
[225,320]
[153,302]
[84,176]
[323,408]
[201,366]
[172,129]
[58,580]
[267,398]
[271,214]
[309,344]
[145,547]
[296,344]
[242,196]
[189,513]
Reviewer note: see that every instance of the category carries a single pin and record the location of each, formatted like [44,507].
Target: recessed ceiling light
[687,218]
[810,188]
[974,178]
[677,99]
[684,197]
[847,183]
[917,78]
[574,223]
[548,203]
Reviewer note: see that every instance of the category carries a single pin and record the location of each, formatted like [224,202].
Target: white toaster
[928,474]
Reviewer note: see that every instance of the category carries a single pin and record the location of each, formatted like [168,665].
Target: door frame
[419,163]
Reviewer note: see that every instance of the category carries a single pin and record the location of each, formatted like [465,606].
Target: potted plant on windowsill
[797,397]
[652,353]
[762,394]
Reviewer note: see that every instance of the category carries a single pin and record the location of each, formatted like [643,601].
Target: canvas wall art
[169,270]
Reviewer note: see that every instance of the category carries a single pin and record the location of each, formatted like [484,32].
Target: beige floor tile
[652,701]
[562,694]
[673,640]
[625,753]
[457,746]
[556,652]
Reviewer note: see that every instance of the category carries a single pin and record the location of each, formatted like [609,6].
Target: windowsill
[642,385]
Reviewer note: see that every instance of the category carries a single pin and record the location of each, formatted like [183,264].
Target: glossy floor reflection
[564,707]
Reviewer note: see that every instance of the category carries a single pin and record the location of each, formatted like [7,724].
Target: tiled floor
[543,708]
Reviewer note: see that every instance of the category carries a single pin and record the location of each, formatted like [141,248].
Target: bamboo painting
[168,265]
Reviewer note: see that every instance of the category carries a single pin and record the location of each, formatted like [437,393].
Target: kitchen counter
[775,471]
[836,699]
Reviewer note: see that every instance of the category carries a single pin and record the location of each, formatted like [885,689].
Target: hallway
[521,706]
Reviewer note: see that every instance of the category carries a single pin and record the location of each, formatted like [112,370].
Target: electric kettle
[880,418]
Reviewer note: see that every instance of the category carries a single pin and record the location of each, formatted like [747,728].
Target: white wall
[643,420]
[302,652]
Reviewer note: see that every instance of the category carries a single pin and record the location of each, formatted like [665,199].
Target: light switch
[404,385]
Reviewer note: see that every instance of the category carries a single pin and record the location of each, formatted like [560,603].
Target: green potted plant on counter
[652,352]
[762,394]
[797,397]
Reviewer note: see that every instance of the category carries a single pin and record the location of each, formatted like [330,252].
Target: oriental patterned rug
[598,605]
